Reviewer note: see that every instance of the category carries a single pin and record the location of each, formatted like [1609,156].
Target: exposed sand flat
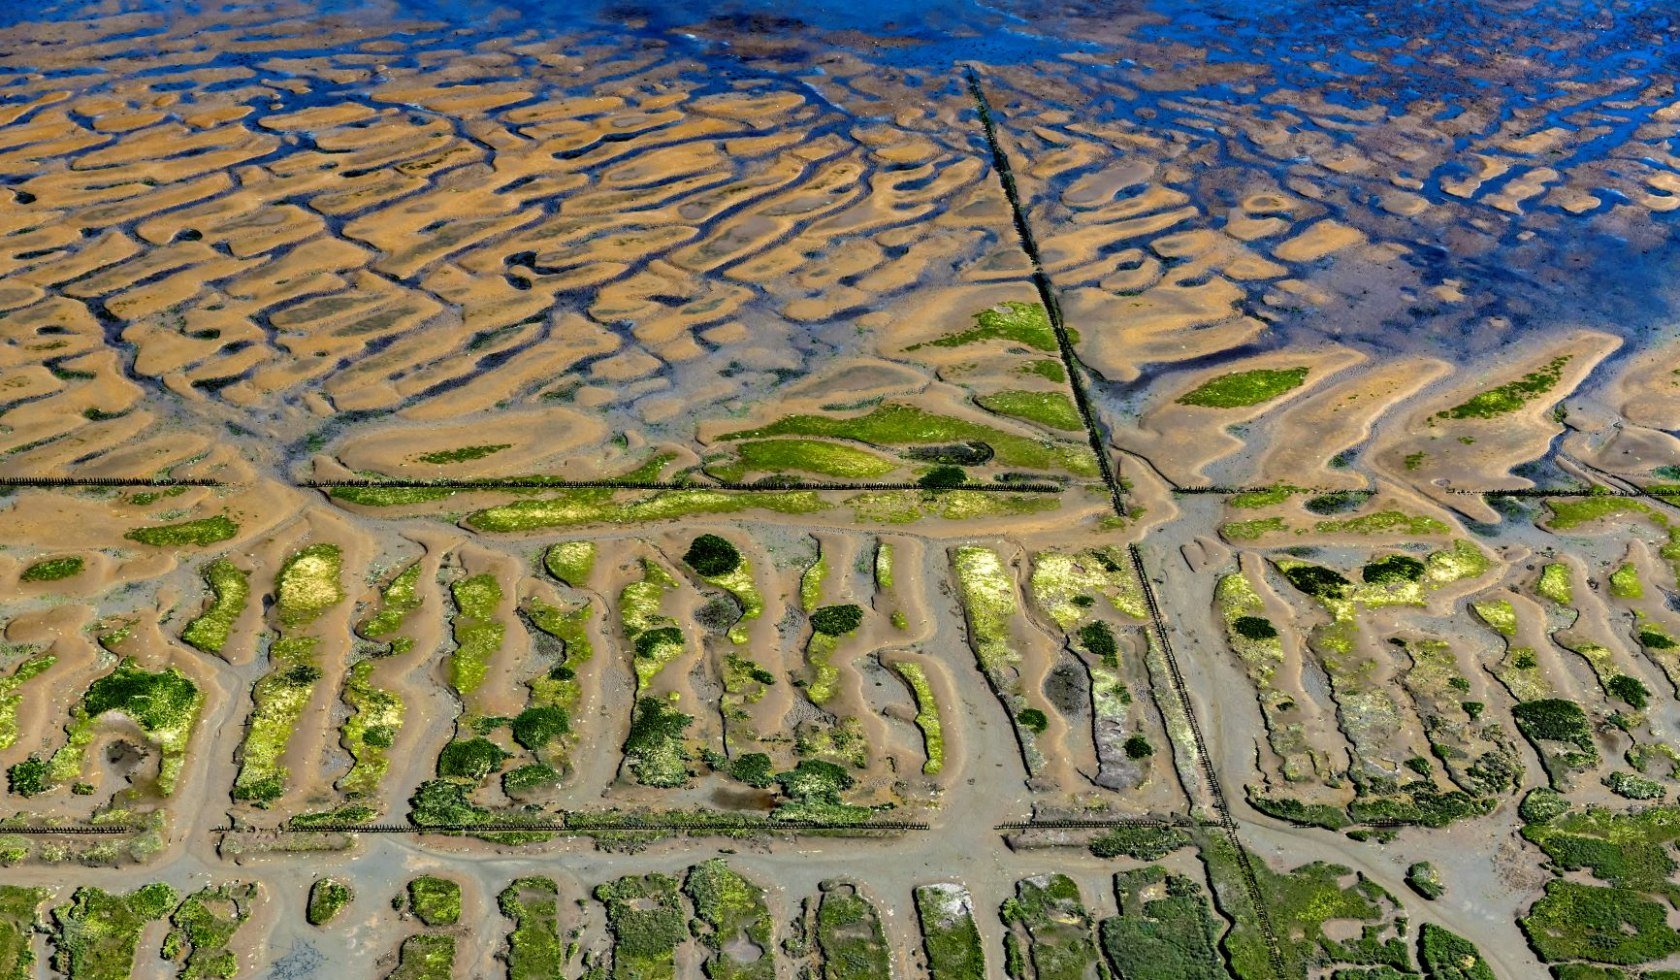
[1310,432]
[1176,437]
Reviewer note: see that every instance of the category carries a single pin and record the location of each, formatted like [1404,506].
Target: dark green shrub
[1254,628]
[815,780]
[943,476]
[1555,719]
[837,620]
[1033,720]
[1141,842]
[1446,955]
[1316,580]
[1392,569]
[473,758]
[536,727]
[1138,747]
[29,777]
[529,777]
[648,642]
[753,768]
[1099,639]
[1630,690]
[712,556]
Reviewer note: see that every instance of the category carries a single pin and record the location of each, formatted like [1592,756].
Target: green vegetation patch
[1576,921]
[949,935]
[279,699]
[425,957]
[831,459]
[327,898]
[1051,409]
[230,588]
[1499,614]
[1012,321]
[187,534]
[399,598]
[1555,720]
[1556,584]
[19,916]
[96,934]
[1422,878]
[1244,388]
[164,704]
[733,921]
[1384,522]
[53,569]
[1253,530]
[927,715]
[535,951]
[1445,955]
[1569,513]
[836,620]
[370,731]
[654,747]
[580,508]
[463,454]
[1050,927]
[308,584]
[895,424]
[478,635]
[203,927]
[712,556]
[1510,396]
[1625,584]
[571,562]
[854,947]
[1173,937]
[435,901]
[1141,842]
[648,923]
[11,701]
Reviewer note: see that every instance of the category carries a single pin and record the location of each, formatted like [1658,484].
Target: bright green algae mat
[1242,389]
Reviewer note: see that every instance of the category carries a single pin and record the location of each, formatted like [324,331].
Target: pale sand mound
[1181,440]
[1428,448]
[532,437]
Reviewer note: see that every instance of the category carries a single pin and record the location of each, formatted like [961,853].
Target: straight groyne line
[1071,365]
[1227,821]
[620,827]
[528,484]
[1098,443]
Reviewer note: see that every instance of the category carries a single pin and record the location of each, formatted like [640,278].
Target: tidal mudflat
[883,490]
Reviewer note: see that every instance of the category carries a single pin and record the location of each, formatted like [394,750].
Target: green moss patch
[464,454]
[1509,397]
[11,700]
[654,747]
[1015,322]
[187,534]
[1445,955]
[19,918]
[397,601]
[308,584]
[1171,937]
[571,562]
[163,704]
[230,588]
[1576,921]
[327,898]
[95,936]
[1244,388]
[1051,409]
[895,424]
[732,920]
[53,569]
[849,934]
[581,508]
[478,634]
[425,958]
[927,715]
[535,951]
[1050,927]
[648,923]
[369,732]
[435,901]
[203,927]
[830,459]
[949,935]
